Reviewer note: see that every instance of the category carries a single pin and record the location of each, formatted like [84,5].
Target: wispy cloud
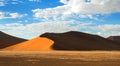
[5,2]
[8,15]
[2,14]
[2,4]
[107,29]
[35,0]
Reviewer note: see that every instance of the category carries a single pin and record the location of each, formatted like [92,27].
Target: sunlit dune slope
[36,44]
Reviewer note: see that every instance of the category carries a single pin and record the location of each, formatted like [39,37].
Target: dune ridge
[74,40]
[114,38]
[36,44]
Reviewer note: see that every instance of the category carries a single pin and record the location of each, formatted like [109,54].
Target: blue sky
[31,18]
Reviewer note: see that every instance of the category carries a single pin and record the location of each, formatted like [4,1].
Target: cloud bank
[34,29]
[78,9]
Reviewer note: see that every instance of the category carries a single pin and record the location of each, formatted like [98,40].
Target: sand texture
[59,58]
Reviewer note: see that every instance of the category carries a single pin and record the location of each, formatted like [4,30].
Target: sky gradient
[31,18]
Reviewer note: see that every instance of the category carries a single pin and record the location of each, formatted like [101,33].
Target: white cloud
[79,7]
[34,0]
[2,14]
[107,29]
[53,26]
[2,4]
[14,15]
[6,15]
[94,7]
[64,1]
[49,13]
[14,2]
[6,2]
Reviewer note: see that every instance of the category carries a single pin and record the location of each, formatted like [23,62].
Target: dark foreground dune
[114,38]
[8,40]
[59,58]
[80,41]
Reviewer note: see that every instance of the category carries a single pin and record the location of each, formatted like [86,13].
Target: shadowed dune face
[36,44]
[114,38]
[80,41]
[7,40]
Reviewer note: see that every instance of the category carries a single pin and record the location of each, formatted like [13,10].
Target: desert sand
[59,58]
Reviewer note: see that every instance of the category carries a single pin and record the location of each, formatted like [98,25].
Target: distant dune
[38,44]
[7,40]
[114,38]
[80,41]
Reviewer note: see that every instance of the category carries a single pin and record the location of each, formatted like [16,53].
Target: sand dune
[66,41]
[39,43]
[80,41]
[114,38]
[7,40]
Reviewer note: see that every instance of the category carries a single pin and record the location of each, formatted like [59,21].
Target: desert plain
[59,58]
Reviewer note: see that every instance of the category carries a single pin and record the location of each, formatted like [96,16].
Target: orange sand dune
[36,44]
